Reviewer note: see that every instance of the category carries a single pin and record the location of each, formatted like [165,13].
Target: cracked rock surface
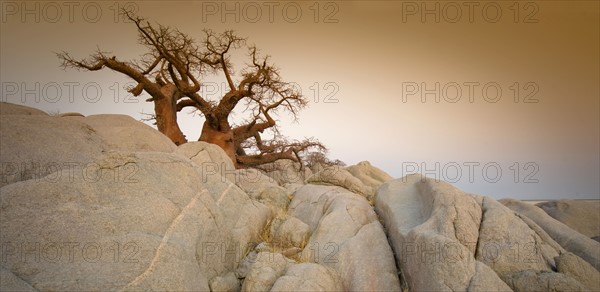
[108,203]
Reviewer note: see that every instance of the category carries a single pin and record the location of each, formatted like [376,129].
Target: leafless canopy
[171,72]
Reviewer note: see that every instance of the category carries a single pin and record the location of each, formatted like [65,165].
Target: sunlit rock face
[118,206]
[448,240]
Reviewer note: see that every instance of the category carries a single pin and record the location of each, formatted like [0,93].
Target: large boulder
[15,109]
[362,178]
[571,240]
[121,132]
[286,171]
[211,159]
[265,271]
[34,144]
[371,176]
[578,269]
[581,215]
[290,231]
[346,236]
[138,221]
[509,243]
[338,176]
[434,230]
[262,188]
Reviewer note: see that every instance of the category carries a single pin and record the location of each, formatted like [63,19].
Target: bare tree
[170,73]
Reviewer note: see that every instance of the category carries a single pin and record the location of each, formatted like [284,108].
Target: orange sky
[368,56]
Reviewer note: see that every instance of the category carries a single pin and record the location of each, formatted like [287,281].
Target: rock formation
[105,202]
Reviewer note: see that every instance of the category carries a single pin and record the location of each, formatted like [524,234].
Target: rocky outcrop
[265,270]
[509,243]
[127,228]
[447,240]
[371,176]
[530,280]
[346,236]
[571,240]
[15,109]
[114,205]
[286,171]
[363,178]
[581,215]
[578,269]
[262,188]
[121,132]
[34,144]
[213,161]
[434,229]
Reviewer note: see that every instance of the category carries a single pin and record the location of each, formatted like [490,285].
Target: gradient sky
[370,62]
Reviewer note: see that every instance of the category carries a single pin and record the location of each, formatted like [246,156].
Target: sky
[499,98]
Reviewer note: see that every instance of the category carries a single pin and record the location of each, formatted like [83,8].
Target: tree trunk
[223,138]
[166,115]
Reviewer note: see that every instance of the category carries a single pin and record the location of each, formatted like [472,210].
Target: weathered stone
[507,243]
[121,132]
[16,109]
[286,171]
[308,277]
[578,269]
[582,216]
[10,282]
[346,236]
[338,176]
[530,280]
[434,229]
[290,231]
[262,188]
[264,272]
[157,224]
[33,146]
[371,176]
[211,159]
[227,283]
[569,239]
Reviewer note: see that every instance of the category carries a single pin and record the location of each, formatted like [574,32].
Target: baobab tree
[171,72]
